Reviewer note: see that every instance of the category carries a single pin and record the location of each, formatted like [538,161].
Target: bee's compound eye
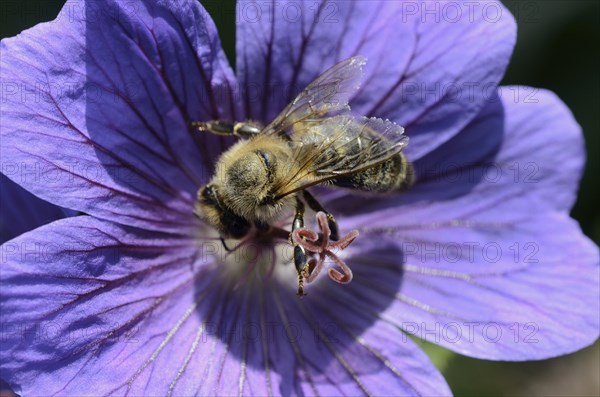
[265,157]
[267,161]
[207,195]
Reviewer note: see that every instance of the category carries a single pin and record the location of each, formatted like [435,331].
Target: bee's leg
[225,128]
[315,206]
[299,253]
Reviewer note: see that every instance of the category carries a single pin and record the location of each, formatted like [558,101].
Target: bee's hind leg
[316,206]
[225,128]
[299,252]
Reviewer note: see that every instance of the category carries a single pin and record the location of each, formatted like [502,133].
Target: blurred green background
[557,48]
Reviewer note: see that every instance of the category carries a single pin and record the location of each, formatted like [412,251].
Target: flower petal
[496,269]
[270,342]
[432,65]
[80,296]
[264,340]
[153,315]
[96,106]
[21,211]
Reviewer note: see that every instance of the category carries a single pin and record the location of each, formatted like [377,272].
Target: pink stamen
[311,241]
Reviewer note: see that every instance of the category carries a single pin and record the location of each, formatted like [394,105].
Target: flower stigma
[263,257]
[319,243]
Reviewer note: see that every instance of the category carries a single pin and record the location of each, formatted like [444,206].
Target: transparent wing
[327,94]
[337,146]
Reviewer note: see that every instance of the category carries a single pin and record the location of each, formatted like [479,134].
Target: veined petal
[153,315]
[97,105]
[495,268]
[432,65]
[82,296]
[264,340]
[520,290]
[21,211]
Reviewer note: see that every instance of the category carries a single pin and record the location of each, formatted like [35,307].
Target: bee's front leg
[225,128]
[316,206]
[299,252]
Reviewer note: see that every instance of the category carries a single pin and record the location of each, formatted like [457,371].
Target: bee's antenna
[224,245]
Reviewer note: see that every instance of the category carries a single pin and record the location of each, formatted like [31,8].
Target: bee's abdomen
[393,174]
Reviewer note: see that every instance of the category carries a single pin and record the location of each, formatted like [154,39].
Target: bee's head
[247,182]
[243,187]
[210,209]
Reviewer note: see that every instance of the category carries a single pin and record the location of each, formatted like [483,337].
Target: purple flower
[139,297]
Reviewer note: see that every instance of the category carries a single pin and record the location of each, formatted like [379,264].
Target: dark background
[557,48]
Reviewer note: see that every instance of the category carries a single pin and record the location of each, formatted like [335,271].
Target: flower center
[257,259]
[262,257]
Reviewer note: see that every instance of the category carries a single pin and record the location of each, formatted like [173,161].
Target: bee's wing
[329,93]
[338,146]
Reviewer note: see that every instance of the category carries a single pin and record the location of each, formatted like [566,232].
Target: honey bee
[314,140]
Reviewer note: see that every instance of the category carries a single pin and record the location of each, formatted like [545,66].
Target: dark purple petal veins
[493,265]
[432,65]
[97,104]
[96,110]
[79,294]
[146,313]
[21,211]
